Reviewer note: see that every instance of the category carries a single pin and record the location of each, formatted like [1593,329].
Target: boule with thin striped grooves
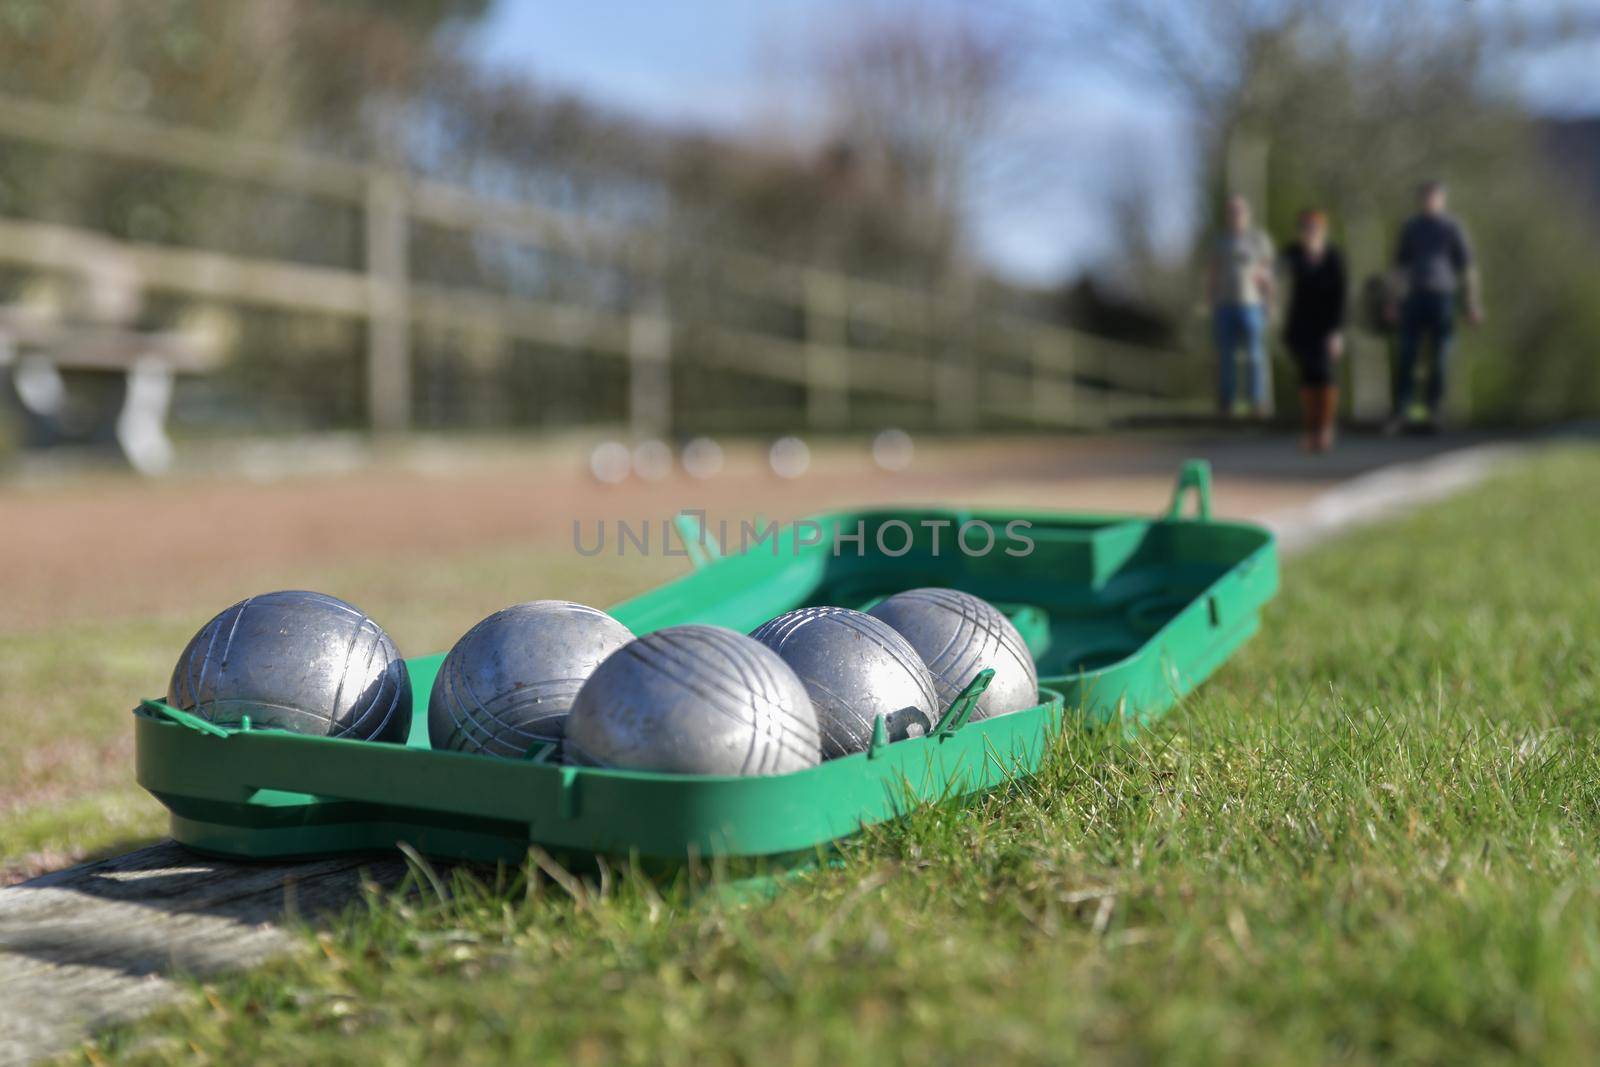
[298,661]
[694,700]
[957,635]
[509,683]
[856,668]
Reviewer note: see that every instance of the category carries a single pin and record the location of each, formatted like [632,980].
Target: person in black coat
[1314,327]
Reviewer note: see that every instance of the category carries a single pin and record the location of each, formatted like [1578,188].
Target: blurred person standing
[1239,289]
[1435,270]
[1314,327]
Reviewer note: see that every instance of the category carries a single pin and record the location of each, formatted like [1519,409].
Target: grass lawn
[1372,836]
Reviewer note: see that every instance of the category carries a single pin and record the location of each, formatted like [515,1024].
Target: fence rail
[1066,377]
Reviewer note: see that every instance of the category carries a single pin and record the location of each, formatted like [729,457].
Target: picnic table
[39,341]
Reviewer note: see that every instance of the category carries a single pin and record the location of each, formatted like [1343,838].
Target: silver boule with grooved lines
[694,700]
[856,668]
[299,661]
[957,635]
[510,681]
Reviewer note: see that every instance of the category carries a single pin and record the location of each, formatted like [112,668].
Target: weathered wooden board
[102,942]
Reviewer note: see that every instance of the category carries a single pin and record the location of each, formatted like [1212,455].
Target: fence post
[649,373]
[1064,395]
[389,324]
[957,386]
[826,305]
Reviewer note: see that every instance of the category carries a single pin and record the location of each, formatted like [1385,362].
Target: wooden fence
[1005,368]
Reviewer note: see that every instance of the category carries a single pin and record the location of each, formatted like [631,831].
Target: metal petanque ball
[702,458]
[694,700]
[957,635]
[789,457]
[893,450]
[856,668]
[511,679]
[652,460]
[610,462]
[296,661]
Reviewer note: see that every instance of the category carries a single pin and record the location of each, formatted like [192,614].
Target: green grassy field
[1371,837]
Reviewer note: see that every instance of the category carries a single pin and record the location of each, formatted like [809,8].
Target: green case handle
[961,709]
[183,718]
[697,540]
[540,751]
[1195,477]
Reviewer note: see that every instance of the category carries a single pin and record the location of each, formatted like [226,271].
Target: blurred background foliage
[1293,102]
[1347,107]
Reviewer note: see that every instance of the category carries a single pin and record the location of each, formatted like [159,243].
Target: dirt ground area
[105,547]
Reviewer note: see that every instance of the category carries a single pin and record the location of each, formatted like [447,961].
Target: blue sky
[701,62]
[737,66]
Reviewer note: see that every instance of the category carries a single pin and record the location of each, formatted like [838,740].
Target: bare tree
[913,97]
[1348,105]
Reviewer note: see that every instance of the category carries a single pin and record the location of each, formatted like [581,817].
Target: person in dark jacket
[1314,327]
[1435,268]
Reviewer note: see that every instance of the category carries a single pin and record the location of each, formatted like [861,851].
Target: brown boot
[1327,417]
